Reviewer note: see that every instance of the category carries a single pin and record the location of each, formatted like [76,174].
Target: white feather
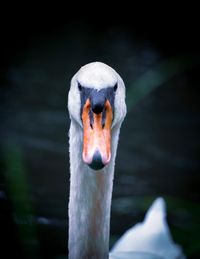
[91,191]
[149,238]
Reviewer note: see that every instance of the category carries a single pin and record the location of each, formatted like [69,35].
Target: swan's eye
[79,86]
[115,87]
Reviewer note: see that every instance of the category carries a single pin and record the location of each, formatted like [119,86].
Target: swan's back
[149,239]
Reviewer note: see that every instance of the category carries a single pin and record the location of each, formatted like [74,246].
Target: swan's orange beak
[97,135]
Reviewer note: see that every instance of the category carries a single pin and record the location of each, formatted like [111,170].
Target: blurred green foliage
[19,195]
[157,76]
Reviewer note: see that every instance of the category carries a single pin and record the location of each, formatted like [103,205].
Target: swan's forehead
[97,75]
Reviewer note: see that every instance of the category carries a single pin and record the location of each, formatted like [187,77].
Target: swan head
[96,102]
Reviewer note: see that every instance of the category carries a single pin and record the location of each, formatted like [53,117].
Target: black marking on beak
[91,116]
[103,117]
[98,99]
[96,163]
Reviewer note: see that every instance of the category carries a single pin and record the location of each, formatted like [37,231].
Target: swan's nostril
[97,162]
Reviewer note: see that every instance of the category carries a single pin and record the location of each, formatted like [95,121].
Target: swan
[97,108]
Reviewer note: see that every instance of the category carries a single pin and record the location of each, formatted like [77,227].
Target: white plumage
[150,238]
[91,191]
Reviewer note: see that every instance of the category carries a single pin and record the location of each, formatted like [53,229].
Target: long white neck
[90,201]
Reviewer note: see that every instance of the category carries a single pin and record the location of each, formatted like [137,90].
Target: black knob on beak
[97,108]
[98,100]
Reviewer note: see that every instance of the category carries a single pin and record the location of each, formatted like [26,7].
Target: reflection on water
[158,149]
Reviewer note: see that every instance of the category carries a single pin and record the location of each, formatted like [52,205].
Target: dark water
[159,147]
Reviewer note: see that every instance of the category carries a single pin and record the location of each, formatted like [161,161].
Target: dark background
[156,51]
